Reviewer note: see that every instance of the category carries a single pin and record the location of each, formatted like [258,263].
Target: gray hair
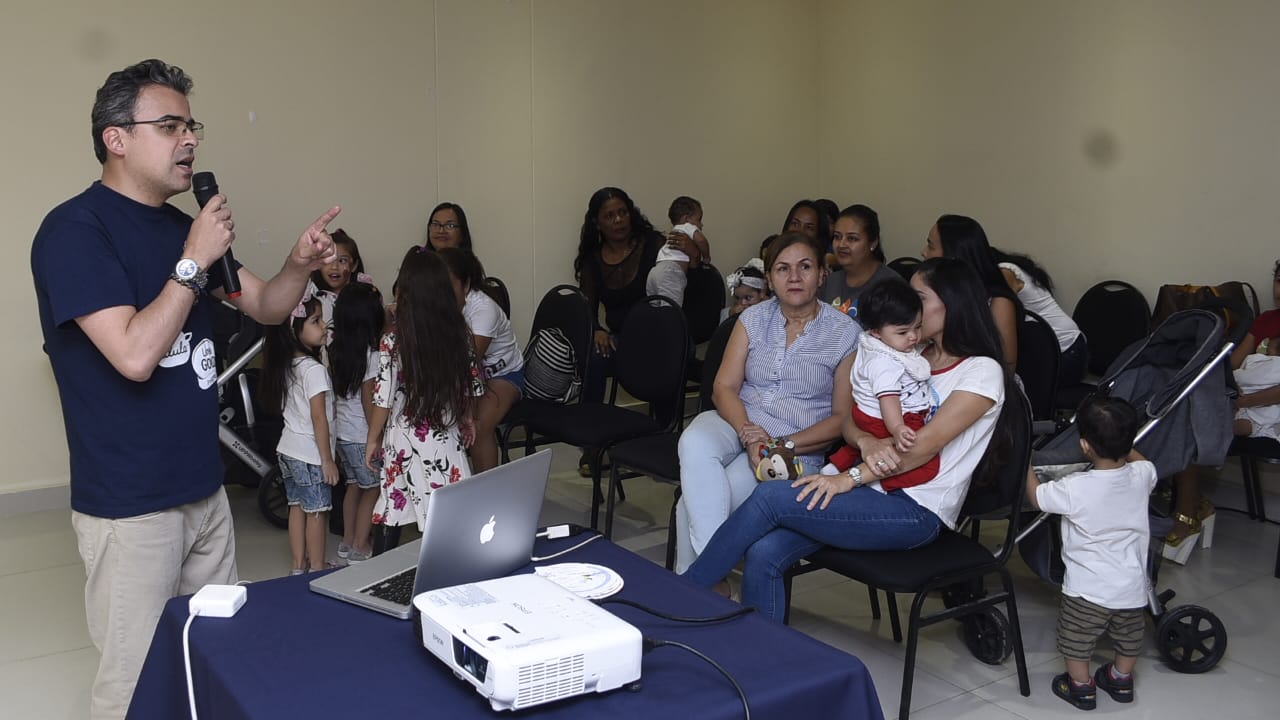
[116,99]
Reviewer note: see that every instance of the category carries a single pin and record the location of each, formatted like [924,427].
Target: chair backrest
[704,298]
[652,352]
[1038,358]
[1112,315]
[566,308]
[711,362]
[905,266]
[496,289]
[1000,480]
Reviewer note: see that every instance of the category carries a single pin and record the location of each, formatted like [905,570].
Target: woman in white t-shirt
[783,522]
[1034,288]
[497,348]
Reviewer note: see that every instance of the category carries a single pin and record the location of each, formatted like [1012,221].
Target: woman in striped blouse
[785,376]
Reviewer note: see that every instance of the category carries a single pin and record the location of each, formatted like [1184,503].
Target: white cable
[186,653]
[566,551]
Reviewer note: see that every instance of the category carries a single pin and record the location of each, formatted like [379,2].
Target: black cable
[652,643]
[745,610]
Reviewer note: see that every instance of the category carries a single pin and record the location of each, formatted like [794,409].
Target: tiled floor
[47,662]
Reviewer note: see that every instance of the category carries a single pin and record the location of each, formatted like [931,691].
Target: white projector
[524,640]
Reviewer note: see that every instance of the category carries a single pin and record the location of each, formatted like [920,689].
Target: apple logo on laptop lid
[486,530]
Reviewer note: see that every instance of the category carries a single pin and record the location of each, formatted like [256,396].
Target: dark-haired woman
[957,236]
[1034,288]
[783,522]
[617,247]
[447,227]
[856,244]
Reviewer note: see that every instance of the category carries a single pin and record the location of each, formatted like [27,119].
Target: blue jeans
[774,532]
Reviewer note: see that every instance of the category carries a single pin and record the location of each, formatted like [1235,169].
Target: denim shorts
[351,465]
[515,377]
[304,485]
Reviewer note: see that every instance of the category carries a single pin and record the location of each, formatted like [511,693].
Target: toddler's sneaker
[357,557]
[1083,697]
[344,550]
[1120,690]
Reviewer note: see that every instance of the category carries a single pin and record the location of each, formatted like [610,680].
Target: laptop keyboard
[397,589]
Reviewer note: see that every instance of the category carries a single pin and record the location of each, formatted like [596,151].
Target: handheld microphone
[205,187]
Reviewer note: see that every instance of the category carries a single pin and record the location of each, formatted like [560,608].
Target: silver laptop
[477,529]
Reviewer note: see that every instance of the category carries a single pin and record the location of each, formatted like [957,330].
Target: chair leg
[1257,492]
[597,494]
[1248,477]
[894,623]
[874,597]
[1015,633]
[609,505]
[909,662]
[504,436]
[671,532]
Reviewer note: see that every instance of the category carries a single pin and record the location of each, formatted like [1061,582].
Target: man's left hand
[315,248]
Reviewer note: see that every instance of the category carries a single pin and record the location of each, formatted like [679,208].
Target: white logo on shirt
[179,353]
[205,364]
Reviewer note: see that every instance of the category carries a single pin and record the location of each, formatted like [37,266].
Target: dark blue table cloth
[292,653]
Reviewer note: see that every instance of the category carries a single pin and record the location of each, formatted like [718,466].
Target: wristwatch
[188,274]
[856,475]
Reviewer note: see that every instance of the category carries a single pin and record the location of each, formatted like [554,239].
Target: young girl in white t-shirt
[358,320]
[295,383]
[495,345]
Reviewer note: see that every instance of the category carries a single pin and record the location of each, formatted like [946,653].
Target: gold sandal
[1178,544]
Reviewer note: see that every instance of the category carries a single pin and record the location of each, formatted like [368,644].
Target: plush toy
[778,461]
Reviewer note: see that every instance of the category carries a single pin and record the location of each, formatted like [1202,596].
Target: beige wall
[1108,139]
[517,110]
[1131,139]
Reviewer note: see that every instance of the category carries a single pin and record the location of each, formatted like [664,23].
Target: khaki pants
[134,565]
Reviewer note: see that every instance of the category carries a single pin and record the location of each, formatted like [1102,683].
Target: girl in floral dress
[423,396]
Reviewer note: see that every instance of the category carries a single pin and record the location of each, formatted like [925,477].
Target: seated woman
[957,236]
[496,348]
[1034,288]
[447,227]
[856,242]
[617,247]
[783,522]
[785,375]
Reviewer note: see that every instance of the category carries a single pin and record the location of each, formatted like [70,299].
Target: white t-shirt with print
[307,378]
[879,370]
[486,319]
[1105,532]
[944,494]
[352,427]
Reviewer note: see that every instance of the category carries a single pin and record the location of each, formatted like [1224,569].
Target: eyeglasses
[450,226]
[172,126]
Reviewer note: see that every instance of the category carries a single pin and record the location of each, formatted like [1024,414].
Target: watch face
[186,268]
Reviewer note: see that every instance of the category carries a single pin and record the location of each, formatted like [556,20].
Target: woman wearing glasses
[447,227]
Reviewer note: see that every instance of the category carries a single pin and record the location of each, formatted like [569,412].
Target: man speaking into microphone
[125,283]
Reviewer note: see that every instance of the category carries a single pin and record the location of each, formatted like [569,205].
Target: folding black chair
[954,558]
[566,308]
[650,366]
[1038,357]
[656,456]
[1112,315]
[905,266]
[497,290]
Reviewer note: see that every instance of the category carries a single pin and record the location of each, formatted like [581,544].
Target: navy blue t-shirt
[135,448]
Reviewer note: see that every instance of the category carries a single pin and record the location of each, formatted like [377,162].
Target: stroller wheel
[986,634]
[1191,639]
[272,501]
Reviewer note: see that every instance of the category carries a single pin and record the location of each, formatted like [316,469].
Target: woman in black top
[617,248]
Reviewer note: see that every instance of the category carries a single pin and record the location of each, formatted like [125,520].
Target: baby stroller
[1178,382]
[248,435]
